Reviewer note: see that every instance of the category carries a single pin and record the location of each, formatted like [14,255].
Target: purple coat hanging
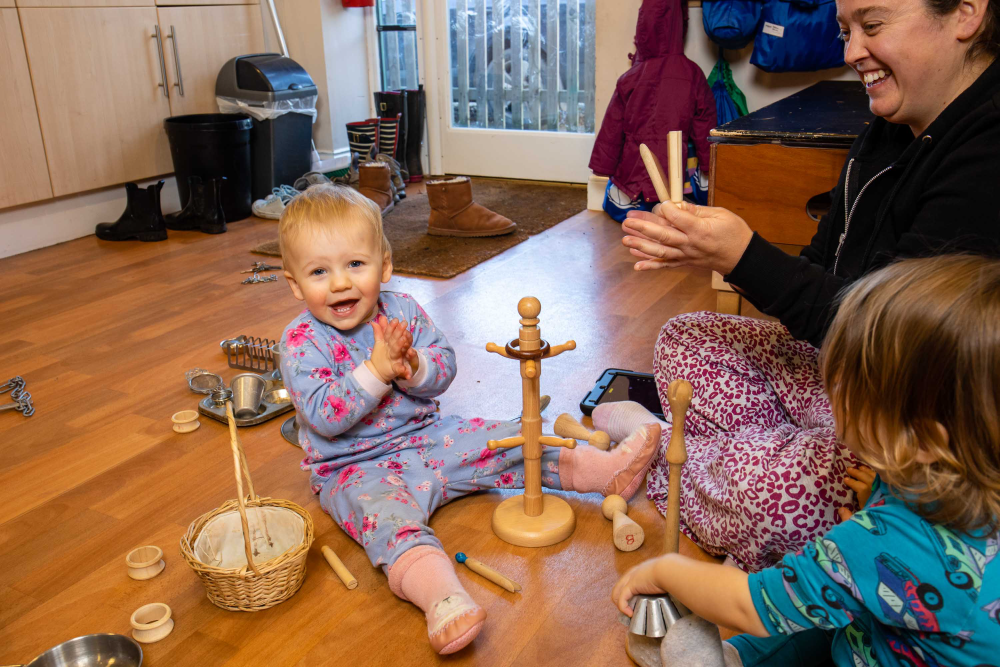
[662,91]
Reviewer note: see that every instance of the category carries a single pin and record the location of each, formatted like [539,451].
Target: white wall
[330,42]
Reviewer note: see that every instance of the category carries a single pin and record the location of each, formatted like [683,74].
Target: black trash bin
[211,145]
[280,96]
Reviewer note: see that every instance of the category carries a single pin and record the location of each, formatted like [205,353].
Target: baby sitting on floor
[362,366]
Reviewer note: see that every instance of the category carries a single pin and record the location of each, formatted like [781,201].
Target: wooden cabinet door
[203,39]
[23,174]
[96,73]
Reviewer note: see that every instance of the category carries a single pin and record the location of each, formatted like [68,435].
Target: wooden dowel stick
[679,394]
[488,572]
[676,166]
[656,173]
[339,568]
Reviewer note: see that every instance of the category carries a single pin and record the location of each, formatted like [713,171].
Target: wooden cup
[145,562]
[151,623]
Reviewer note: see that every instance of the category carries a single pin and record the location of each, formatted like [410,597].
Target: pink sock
[426,577]
[620,471]
[621,418]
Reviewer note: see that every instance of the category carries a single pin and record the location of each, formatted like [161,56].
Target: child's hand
[640,580]
[392,353]
[860,481]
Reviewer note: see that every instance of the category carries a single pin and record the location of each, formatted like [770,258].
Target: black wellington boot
[414,133]
[392,104]
[142,218]
[203,210]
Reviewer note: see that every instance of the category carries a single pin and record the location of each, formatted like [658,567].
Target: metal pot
[105,650]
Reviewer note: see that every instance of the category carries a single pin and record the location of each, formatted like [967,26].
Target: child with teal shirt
[912,367]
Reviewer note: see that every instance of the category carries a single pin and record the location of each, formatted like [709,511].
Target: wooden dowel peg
[493,347]
[625,533]
[676,165]
[656,173]
[559,349]
[488,572]
[568,427]
[506,443]
[552,441]
[339,569]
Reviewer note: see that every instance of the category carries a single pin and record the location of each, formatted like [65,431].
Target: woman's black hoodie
[904,197]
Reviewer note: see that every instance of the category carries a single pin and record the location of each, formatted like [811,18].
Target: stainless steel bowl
[92,651]
[277,397]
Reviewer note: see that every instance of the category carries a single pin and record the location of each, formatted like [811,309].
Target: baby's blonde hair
[915,344]
[326,206]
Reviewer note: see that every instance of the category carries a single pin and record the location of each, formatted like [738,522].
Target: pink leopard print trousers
[765,473]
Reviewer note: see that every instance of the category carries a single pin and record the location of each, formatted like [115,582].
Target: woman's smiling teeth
[875,78]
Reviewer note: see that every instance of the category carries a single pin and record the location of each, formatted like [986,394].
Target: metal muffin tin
[268,410]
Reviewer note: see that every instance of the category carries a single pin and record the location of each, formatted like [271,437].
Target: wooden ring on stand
[513,351]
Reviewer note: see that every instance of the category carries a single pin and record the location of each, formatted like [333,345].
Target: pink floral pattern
[765,471]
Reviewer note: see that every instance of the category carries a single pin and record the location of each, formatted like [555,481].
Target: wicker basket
[254,586]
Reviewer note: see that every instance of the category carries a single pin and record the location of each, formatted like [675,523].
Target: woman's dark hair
[988,41]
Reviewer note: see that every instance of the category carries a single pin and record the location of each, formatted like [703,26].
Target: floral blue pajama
[381,457]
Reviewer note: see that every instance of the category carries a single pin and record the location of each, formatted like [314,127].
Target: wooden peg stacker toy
[653,615]
[532,519]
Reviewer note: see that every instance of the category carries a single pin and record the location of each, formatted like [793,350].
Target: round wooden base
[553,525]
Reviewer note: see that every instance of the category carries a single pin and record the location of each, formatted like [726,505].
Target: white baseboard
[55,221]
[595,192]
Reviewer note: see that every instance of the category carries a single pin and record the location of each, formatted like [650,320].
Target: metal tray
[267,410]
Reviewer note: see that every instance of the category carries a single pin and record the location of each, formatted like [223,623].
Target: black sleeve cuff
[763,272]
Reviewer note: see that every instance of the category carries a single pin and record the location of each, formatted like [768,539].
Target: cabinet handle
[163,65]
[177,61]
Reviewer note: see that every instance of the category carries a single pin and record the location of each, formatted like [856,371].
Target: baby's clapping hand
[392,352]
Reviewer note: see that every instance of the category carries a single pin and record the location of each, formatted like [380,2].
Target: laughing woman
[765,472]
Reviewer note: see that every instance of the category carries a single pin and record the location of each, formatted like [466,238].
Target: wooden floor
[103,334]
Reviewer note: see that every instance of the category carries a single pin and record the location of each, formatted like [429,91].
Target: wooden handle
[679,394]
[240,463]
[676,165]
[656,174]
[552,441]
[506,443]
[493,347]
[568,427]
[339,569]
[559,349]
[626,533]
[488,572]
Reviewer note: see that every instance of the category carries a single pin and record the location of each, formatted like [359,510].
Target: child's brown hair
[325,205]
[914,345]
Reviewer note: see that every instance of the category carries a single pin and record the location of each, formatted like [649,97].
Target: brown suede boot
[375,182]
[453,213]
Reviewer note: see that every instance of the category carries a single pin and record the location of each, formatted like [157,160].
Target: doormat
[533,206]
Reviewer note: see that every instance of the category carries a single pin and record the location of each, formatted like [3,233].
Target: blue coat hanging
[798,36]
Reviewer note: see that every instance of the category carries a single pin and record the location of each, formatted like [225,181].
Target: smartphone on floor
[618,384]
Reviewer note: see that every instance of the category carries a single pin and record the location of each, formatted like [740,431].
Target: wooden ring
[513,351]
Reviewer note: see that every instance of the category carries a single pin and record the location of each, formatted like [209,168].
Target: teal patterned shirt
[894,588]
